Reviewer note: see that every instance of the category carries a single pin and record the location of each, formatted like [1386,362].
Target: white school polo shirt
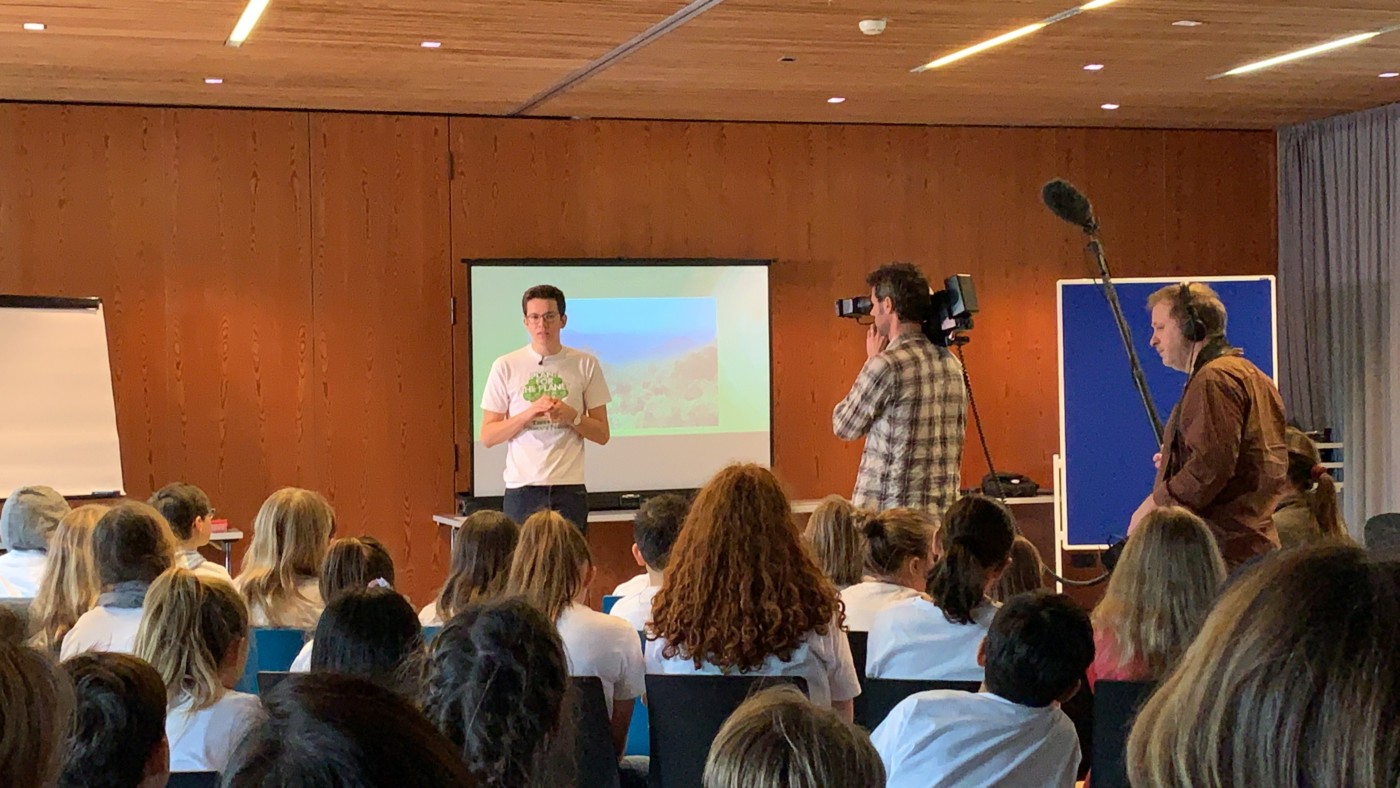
[865,599]
[193,561]
[202,741]
[951,738]
[912,639]
[103,629]
[823,660]
[544,453]
[21,572]
[632,585]
[635,609]
[604,646]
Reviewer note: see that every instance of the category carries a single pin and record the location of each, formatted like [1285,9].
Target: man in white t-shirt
[187,509]
[27,521]
[1012,732]
[542,401]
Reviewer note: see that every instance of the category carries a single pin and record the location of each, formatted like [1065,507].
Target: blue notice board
[1106,440]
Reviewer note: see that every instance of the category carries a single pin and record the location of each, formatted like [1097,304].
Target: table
[225,540]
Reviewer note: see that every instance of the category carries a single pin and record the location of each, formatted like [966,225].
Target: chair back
[582,755]
[860,648]
[609,601]
[879,696]
[1382,535]
[429,633]
[1116,704]
[193,780]
[267,679]
[270,649]
[686,714]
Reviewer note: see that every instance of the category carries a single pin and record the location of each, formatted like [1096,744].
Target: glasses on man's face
[548,318]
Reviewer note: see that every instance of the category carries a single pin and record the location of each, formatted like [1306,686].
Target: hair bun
[874,528]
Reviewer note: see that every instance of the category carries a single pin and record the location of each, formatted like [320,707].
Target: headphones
[1191,327]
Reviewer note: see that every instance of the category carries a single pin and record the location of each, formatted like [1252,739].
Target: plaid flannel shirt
[910,404]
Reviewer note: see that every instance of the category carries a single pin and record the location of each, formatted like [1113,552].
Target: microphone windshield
[1069,204]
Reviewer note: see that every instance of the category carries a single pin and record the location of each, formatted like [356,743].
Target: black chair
[1080,710]
[686,715]
[1382,534]
[193,780]
[583,754]
[880,696]
[860,647]
[267,679]
[1116,704]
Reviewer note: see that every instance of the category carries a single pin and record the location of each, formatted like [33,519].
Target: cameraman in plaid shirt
[908,402]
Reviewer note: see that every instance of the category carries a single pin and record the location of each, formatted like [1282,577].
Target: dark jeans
[570,500]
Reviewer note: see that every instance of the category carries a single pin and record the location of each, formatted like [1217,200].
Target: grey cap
[29,517]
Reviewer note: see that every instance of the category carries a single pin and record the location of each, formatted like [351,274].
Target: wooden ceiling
[721,64]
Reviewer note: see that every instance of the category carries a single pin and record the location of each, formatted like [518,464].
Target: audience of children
[195,634]
[117,737]
[1026,573]
[833,534]
[742,595]
[325,730]
[1294,680]
[898,553]
[780,739]
[36,707]
[1310,512]
[938,637]
[70,585]
[1012,732]
[280,577]
[654,531]
[553,570]
[1158,596]
[191,519]
[481,555]
[131,546]
[352,563]
[494,684]
[372,633]
[27,520]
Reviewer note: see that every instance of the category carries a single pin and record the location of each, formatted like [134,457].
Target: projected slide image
[660,356]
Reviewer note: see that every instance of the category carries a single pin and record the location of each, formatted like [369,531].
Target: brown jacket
[1225,458]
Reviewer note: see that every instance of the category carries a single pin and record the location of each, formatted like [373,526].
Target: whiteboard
[1106,440]
[58,420]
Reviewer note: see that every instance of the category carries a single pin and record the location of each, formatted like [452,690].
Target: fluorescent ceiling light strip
[982,47]
[1092,4]
[1302,53]
[246,22]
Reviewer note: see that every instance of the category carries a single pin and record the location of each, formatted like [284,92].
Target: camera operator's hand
[874,343]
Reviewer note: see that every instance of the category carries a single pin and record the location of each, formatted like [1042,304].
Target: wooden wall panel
[193,226]
[831,202]
[383,372]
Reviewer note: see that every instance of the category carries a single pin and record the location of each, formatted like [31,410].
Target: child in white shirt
[1012,732]
[654,532]
[898,552]
[353,563]
[131,546]
[290,535]
[937,638]
[191,518]
[481,555]
[27,521]
[196,636]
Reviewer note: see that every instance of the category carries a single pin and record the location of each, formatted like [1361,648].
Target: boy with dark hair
[117,739]
[187,509]
[1012,732]
[654,532]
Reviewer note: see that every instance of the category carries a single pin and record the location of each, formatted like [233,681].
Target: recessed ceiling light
[787,59]
[836,100]
[1390,75]
[1094,67]
[1108,106]
[1186,23]
[431,44]
[213,80]
[34,25]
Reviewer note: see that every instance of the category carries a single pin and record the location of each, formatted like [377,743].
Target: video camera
[949,311]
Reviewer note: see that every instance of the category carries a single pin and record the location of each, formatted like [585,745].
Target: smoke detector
[873,27]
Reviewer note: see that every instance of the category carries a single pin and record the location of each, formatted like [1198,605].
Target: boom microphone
[1070,204]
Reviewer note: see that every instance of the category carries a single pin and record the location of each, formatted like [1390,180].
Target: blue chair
[639,731]
[609,601]
[269,650]
[429,633]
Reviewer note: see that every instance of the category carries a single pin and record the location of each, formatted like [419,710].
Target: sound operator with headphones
[1224,456]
